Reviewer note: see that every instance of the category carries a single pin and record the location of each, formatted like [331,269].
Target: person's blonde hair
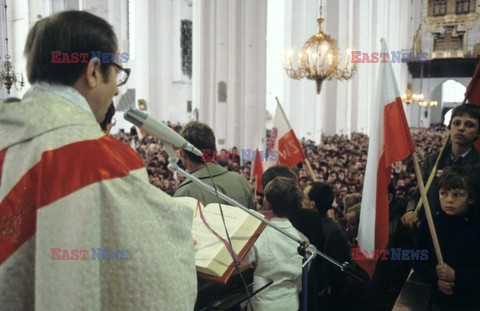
[351,199]
[355,209]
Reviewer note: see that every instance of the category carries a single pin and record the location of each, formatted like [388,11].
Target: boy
[464,130]
[274,256]
[336,246]
[455,282]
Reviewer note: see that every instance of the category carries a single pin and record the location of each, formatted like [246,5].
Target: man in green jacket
[230,183]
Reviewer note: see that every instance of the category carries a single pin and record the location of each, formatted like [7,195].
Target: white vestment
[65,185]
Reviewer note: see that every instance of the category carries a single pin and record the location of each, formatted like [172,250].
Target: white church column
[18,26]
[229,69]
[362,91]
[140,58]
[291,23]
[160,55]
[180,82]
[302,103]
[375,19]
[253,99]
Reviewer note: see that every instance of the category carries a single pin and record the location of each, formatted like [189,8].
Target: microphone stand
[308,251]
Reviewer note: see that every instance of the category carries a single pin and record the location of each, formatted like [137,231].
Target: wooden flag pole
[309,167]
[434,170]
[428,213]
[430,178]
[283,112]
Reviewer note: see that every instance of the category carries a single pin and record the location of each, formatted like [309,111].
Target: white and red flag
[283,146]
[257,171]
[390,141]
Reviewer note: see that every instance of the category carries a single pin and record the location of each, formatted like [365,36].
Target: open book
[212,258]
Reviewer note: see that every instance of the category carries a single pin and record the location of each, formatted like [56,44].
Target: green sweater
[230,183]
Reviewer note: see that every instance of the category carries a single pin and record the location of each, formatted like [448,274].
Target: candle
[347,58]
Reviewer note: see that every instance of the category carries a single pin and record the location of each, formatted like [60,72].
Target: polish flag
[473,94]
[257,172]
[390,141]
[283,146]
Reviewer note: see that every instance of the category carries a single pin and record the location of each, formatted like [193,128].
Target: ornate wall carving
[448,20]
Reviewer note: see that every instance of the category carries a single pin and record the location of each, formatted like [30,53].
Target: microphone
[159,130]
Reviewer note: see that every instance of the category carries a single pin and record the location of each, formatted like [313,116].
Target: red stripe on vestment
[59,172]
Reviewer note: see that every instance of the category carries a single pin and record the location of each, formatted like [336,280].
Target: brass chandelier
[418,98]
[8,77]
[319,59]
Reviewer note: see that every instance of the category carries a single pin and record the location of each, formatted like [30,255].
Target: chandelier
[410,97]
[418,98]
[8,77]
[428,103]
[319,59]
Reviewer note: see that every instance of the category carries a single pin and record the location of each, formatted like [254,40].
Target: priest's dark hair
[68,32]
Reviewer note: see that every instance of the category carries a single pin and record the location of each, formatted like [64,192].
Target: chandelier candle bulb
[347,57]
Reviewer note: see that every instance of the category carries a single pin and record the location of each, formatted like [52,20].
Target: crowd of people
[338,160]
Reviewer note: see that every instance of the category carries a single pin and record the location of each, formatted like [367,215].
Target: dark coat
[309,223]
[459,239]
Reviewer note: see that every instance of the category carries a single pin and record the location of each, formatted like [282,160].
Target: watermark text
[83,254]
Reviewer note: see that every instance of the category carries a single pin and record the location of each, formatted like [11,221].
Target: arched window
[452,92]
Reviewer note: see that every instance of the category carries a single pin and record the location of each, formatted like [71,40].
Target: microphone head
[135,116]
[159,130]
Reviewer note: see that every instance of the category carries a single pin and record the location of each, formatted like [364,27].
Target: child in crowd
[464,131]
[455,282]
[274,256]
[353,221]
[336,246]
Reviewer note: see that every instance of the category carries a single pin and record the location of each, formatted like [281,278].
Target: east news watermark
[391,254]
[83,254]
[59,57]
[403,56]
